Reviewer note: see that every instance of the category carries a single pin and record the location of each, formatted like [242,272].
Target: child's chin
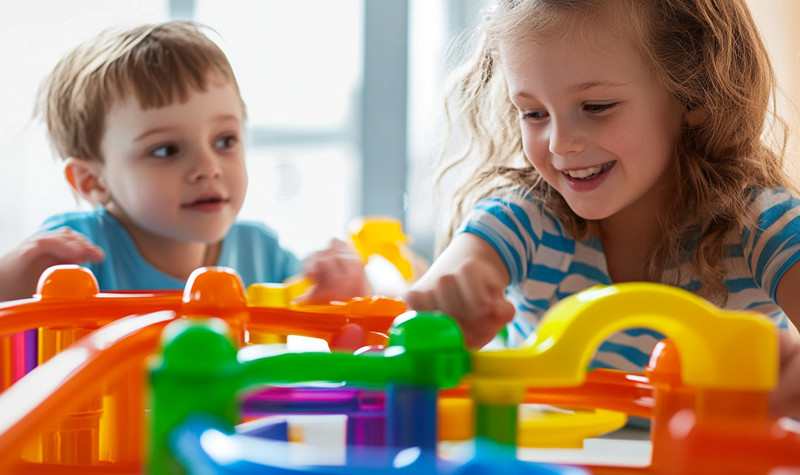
[590,214]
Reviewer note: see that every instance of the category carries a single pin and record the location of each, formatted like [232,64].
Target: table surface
[324,443]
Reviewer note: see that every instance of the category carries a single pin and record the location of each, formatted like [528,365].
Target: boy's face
[177,172]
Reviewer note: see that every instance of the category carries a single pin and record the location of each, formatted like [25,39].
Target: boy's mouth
[589,173]
[205,200]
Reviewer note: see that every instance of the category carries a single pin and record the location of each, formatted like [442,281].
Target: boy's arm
[337,273]
[21,267]
[468,282]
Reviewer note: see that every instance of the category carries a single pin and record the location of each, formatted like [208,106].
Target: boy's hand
[21,267]
[467,282]
[338,274]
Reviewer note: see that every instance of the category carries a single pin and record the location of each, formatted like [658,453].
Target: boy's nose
[205,166]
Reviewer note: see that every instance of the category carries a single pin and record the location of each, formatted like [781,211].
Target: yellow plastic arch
[719,349]
[383,236]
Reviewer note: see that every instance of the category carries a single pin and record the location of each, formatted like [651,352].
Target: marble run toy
[77,293]
[81,411]
[709,411]
[106,425]
[412,368]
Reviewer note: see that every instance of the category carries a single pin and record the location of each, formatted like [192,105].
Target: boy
[151,124]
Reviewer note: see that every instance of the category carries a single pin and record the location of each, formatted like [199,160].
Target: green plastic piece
[497,423]
[201,371]
[432,354]
[197,372]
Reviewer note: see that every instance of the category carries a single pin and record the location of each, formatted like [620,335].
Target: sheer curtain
[778,21]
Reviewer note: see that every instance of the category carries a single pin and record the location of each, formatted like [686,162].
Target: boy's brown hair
[159,64]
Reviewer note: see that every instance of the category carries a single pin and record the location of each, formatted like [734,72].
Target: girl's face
[177,172]
[595,123]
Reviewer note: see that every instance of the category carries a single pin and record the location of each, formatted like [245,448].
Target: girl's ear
[696,116]
[85,177]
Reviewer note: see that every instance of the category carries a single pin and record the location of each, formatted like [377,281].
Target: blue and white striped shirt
[545,265]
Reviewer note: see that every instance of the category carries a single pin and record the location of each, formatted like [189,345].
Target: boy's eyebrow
[158,130]
[233,117]
[149,132]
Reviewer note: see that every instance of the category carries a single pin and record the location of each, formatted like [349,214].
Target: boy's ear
[85,177]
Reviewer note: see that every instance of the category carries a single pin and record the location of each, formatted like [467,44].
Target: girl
[608,141]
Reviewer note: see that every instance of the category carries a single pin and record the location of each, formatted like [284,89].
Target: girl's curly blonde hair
[708,53]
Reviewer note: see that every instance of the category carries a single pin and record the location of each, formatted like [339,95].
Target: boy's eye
[226,142]
[164,151]
[596,108]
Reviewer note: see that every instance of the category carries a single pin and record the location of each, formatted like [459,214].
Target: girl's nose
[566,137]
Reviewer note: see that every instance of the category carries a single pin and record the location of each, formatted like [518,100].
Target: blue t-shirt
[546,265]
[250,248]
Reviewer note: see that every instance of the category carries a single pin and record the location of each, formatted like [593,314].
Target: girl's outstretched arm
[468,282]
[788,294]
[785,399]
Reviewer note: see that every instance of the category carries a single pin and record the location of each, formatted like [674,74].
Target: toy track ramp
[720,349]
[39,401]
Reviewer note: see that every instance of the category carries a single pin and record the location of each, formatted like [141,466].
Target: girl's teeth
[588,173]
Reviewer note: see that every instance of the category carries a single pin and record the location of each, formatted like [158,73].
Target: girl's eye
[533,115]
[597,108]
[226,142]
[164,151]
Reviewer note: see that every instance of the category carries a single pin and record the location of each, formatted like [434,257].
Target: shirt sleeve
[513,227]
[254,250]
[771,242]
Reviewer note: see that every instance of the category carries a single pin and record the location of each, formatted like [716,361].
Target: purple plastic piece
[364,408]
[31,349]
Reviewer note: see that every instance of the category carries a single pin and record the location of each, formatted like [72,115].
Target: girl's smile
[589,173]
[587,179]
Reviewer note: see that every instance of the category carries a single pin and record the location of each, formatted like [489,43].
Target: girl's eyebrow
[583,86]
[578,87]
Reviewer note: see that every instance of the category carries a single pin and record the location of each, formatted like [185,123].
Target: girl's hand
[785,399]
[467,282]
[337,273]
[21,268]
